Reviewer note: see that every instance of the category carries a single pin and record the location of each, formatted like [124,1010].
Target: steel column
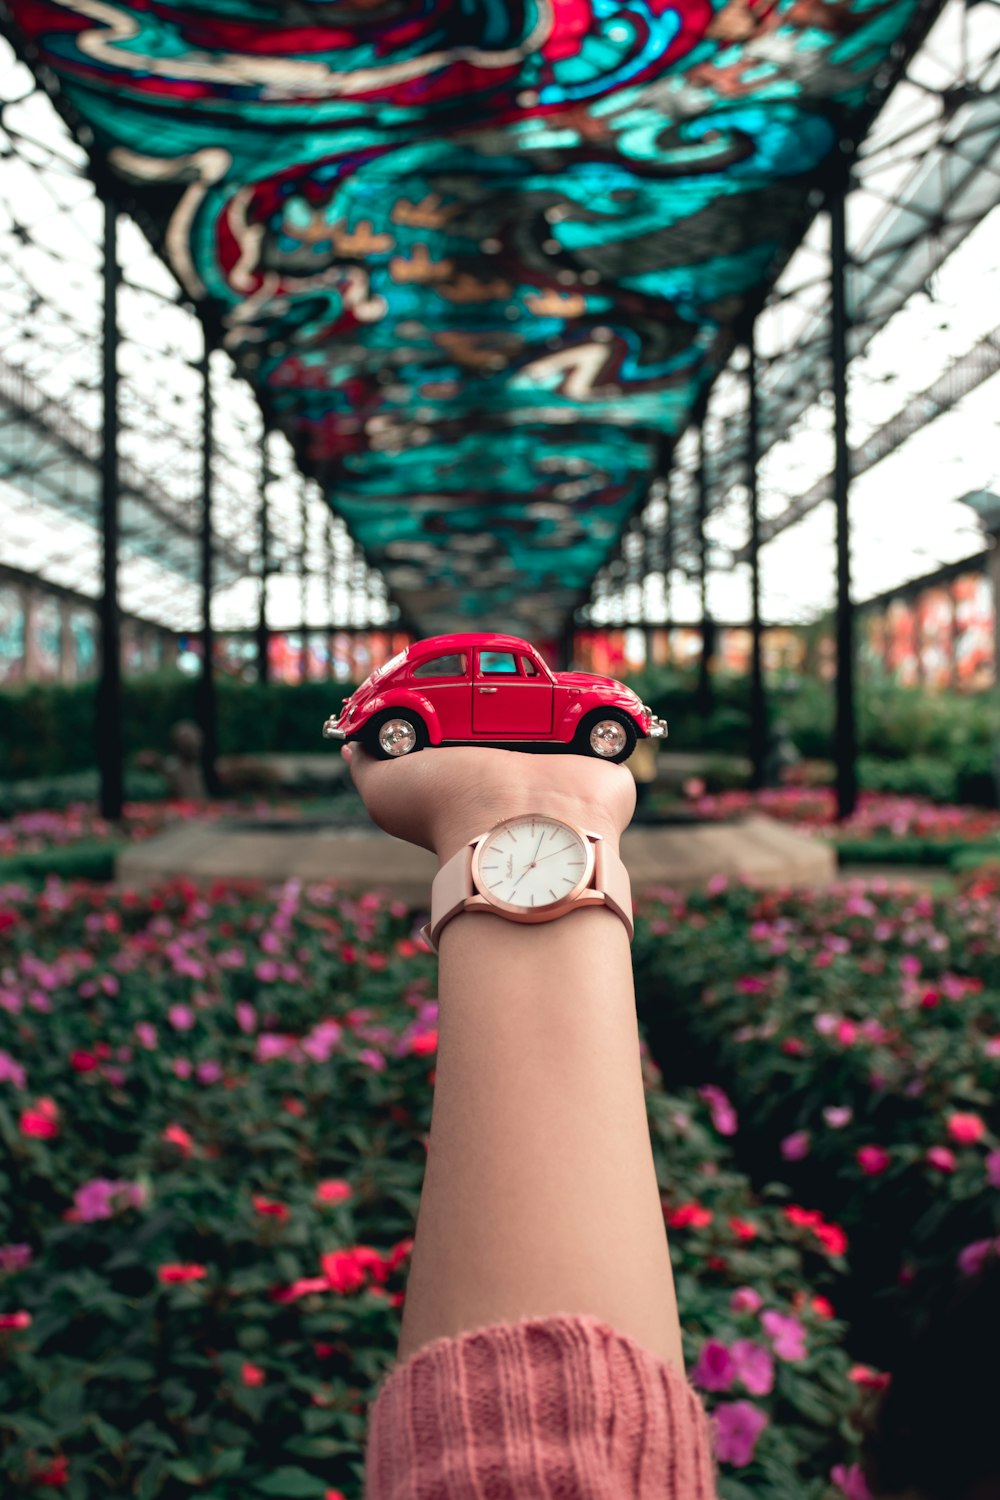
[207,705]
[110,748]
[846,730]
[264,535]
[758,707]
[703,696]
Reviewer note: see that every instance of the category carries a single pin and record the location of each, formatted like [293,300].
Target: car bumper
[333,731]
[657,728]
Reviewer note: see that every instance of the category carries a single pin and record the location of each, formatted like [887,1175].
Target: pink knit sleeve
[558,1408]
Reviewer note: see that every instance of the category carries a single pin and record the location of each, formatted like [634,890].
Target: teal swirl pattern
[478,259]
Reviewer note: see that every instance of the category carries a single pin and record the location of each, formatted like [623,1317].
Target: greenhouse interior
[637,365]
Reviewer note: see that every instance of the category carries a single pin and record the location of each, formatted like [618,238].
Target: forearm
[540,1195]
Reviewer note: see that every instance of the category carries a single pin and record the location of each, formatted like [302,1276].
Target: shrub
[214,1108]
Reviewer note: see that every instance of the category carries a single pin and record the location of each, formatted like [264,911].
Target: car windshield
[391,665]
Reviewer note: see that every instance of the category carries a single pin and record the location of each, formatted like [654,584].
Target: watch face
[530,863]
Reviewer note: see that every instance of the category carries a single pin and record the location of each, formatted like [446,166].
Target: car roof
[439,644]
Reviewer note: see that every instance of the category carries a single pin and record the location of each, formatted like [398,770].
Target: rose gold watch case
[483,900]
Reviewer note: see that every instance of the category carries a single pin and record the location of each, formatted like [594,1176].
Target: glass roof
[479,266]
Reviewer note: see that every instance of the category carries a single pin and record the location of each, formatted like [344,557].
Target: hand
[442,798]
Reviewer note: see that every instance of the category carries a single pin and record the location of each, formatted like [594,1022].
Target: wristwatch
[530,868]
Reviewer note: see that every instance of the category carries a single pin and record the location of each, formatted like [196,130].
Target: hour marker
[532,898]
[553,894]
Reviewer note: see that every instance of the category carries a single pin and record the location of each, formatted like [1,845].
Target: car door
[511,699]
[444,679]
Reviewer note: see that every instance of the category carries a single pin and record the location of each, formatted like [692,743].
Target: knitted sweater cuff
[553,1406]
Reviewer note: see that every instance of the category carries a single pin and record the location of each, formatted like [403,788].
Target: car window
[442,666]
[528,667]
[500,663]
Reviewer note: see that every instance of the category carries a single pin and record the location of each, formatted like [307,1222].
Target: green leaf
[291,1484]
[151,1478]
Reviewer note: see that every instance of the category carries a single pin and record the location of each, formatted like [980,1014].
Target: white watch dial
[532,862]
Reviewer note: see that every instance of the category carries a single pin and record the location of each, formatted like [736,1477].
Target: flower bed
[814,809]
[214,1111]
[859,1029]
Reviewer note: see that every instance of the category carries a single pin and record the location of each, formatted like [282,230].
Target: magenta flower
[11,1070]
[246,1017]
[181,1017]
[941,1158]
[322,1041]
[715,1370]
[271,1044]
[786,1333]
[796,1146]
[738,1425]
[267,971]
[838,1115]
[372,1059]
[147,1035]
[972,1259]
[851,1482]
[14,1257]
[208,1072]
[873,1160]
[754,1366]
[182,1067]
[746,1299]
[102,1198]
[993,1169]
[724,1116]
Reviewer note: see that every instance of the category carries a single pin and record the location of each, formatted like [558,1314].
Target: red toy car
[490,690]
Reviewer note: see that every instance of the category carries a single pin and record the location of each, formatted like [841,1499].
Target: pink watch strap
[452,888]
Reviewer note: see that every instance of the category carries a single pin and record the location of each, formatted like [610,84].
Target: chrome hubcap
[607,738]
[397,737]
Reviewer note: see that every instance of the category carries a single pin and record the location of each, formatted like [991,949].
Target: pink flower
[146,1034]
[322,1041]
[796,1146]
[838,1115]
[267,971]
[372,1059]
[724,1116]
[181,1017]
[178,1273]
[42,1122]
[941,1158]
[786,1333]
[333,1190]
[746,1299]
[847,1032]
[715,1370]
[11,1070]
[246,1016]
[966,1129]
[754,1366]
[208,1072]
[972,1259]
[102,1198]
[19,1319]
[993,1169]
[271,1044]
[14,1258]
[182,1067]
[873,1160]
[251,1374]
[826,1022]
[177,1136]
[851,1482]
[751,984]
[738,1425]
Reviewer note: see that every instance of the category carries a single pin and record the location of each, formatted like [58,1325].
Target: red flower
[270,1208]
[372,1260]
[177,1273]
[82,1062]
[20,1319]
[806,1218]
[872,1380]
[177,1136]
[398,1254]
[342,1271]
[426,1042]
[42,1122]
[831,1237]
[333,1190]
[303,1287]
[689,1215]
[822,1307]
[55,1473]
[252,1374]
[335,1495]
[743,1229]
[293,1107]
[966,1129]
[792,1047]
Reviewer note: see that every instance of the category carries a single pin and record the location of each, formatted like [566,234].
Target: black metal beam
[758,707]
[207,704]
[264,536]
[110,742]
[846,730]
[703,696]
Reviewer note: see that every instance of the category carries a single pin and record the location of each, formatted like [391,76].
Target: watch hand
[528,867]
[553,851]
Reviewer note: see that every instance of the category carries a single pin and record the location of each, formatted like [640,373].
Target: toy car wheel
[608,735]
[395,733]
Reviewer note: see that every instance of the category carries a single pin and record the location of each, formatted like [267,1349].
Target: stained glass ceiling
[477,262]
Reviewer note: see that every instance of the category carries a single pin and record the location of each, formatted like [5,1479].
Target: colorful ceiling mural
[477,258]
